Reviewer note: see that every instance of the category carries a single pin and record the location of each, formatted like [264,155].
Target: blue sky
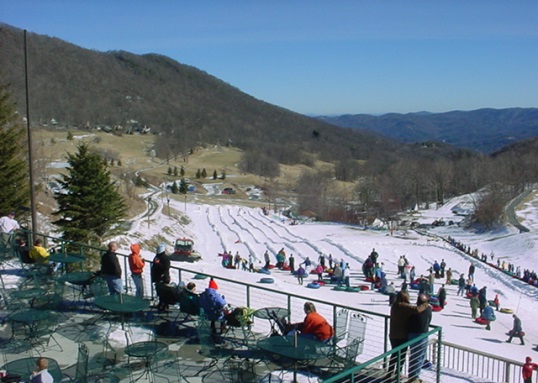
[321,57]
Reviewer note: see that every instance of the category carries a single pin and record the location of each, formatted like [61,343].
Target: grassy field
[134,152]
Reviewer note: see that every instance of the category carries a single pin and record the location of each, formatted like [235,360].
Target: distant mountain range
[484,130]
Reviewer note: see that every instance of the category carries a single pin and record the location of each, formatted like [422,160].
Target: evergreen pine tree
[119,163]
[175,171]
[69,135]
[182,172]
[214,174]
[92,206]
[223,175]
[13,162]
[175,189]
[198,174]
[183,186]
[204,173]
[169,171]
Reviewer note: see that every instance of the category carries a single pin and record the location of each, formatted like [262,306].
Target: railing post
[439,340]
[507,371]
[248,295]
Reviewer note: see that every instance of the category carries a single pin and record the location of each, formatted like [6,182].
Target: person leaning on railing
[111,269]
[8,226]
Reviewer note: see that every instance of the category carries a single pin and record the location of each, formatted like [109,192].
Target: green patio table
[66,258]
[296,348]
[121,304]
[28,294]
[29,318]
[26,366]
[146,350]
[78,278]
[272,314]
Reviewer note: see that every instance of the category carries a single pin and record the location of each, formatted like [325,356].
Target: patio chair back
[357,328]
[44,331]
[341,330]
[83,359]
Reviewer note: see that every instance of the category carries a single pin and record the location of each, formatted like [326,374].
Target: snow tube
[267,280]
[469,295]
[364,287]
[369,279]
[481,320]
[200,276]
[271,266]
[506,311]
[313,286]
[353,289]
[454,282]
[264,271]
[491,303]
[413,286]
[321,283]
[436,308]
[340,288]
[230,266]
[286,268]
[313,271]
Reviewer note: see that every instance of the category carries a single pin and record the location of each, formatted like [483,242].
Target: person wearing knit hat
[160,275]
[527,369]
[212,284]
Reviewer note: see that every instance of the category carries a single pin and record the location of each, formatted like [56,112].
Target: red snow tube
[286,268]
[321,283]
[369,279]
[481,320]
[364,287]
[436,308]
[271,267]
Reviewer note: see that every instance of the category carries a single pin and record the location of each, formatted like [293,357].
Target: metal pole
[29,139]
[149,207]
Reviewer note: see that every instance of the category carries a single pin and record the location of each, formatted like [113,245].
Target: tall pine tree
[15,190]
[92,206]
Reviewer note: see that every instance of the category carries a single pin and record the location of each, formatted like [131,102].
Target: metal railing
[375,351]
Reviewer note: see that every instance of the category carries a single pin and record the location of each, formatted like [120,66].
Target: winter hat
[161,248]
[528,359]
[213,284]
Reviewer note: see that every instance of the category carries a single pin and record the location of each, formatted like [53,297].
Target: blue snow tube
[313,286]
[264,271]
[267,280]
[200,276]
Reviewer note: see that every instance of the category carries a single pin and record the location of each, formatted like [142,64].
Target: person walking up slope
[517,330]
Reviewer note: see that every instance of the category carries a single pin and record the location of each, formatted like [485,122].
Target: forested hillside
[484,130]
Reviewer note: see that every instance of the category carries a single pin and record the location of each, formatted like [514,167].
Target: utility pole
[29,140]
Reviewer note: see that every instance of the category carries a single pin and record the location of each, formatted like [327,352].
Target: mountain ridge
[486,129]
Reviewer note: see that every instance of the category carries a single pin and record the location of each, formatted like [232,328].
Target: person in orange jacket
[314,325]
[136,264]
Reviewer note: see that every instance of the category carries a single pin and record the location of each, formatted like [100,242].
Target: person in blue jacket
[213,304]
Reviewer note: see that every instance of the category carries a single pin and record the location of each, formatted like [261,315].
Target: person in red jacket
[314,325]
[527,369]
[136,264]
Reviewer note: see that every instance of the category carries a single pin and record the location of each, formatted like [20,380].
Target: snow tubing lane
[267,280]
[506,311]
[313,286]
